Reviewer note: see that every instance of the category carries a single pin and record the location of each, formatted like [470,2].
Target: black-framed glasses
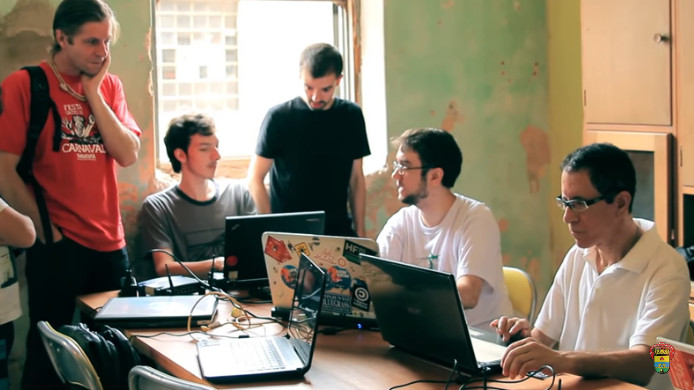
[400,169]
[578,205]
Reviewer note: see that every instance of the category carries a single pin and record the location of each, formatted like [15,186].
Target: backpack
[41,104]
[109,351]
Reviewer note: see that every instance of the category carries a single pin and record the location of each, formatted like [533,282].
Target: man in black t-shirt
[313,147]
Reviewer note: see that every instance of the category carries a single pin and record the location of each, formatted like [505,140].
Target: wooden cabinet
[638,80]
[626,61]
[684,89]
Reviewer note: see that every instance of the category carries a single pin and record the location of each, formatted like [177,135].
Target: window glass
[235,59]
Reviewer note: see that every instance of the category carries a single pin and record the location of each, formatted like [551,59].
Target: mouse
[514,337]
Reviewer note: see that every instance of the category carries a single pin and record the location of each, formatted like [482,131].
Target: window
[234,59]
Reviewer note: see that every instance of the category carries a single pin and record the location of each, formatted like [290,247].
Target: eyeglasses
[400,169]
[578,205]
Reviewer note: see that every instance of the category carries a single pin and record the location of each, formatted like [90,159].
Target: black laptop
[273,357]
[244,263]
[419,310]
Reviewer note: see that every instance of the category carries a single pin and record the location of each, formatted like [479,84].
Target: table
[351,359]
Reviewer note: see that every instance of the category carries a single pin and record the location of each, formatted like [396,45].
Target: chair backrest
[68,358]
[521,291]
[148,378]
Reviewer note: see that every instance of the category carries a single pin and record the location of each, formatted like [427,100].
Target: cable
[453,370]
[529,375]
[176,259]
[446,382]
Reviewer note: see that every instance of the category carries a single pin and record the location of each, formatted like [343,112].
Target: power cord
[447,382]
[192,274]
[536,374]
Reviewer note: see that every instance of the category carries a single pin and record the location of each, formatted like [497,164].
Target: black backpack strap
[41,104]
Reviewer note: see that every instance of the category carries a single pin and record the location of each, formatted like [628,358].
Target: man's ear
[623,199]
[436,174]
[61,38]
[180,155]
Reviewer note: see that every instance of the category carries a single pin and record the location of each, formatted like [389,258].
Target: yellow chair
[148,378]
[521,291]
[68,358]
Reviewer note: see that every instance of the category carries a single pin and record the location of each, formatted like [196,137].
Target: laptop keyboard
[255,354]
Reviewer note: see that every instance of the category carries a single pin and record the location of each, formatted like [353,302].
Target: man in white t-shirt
[441,229]
[618,288]
[16,230]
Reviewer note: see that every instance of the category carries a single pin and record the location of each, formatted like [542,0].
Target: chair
[148,378]
[68,358]
[521,291]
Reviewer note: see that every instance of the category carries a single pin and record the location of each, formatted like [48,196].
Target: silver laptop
[419,310]
[265,358]
[347,301]
[157,311]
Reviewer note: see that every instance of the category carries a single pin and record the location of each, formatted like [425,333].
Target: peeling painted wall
[479,70]
[25,38]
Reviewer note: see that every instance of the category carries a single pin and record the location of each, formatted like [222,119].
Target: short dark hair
[610,169]
[181,129]
[72,14]
[321,59]
[436,149]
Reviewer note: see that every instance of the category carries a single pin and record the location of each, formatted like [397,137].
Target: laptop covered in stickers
[347,302]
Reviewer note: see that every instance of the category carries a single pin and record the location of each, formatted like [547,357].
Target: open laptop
[157,311]
[244,264]
[274,357]
[347,301]
[419,310]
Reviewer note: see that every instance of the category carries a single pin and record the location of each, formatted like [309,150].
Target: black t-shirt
[313,153]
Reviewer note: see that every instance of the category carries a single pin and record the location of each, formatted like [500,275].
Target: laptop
[679,367]
[419,310]
[157,311]
[274,357]
[347,301]
[244,263]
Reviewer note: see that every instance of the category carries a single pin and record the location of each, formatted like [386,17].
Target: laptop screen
[411,300]
[244,263]
[306,306]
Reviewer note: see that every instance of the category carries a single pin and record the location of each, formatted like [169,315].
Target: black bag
[109,350]
[688,254]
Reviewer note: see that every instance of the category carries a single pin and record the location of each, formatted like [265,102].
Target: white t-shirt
[466,242]
[10,308]
[643,296]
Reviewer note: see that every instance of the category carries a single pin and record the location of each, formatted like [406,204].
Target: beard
[413,199]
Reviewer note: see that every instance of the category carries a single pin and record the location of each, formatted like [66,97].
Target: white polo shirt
[643,296]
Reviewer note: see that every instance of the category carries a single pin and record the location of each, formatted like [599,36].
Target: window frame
[349,42]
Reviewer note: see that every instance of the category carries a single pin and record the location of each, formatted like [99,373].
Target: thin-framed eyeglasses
[400,169]
[578,205]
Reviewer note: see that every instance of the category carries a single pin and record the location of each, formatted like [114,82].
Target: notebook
[244,263]
[273,357]
[347,301]
[419,310]
[157,311]
[679,366]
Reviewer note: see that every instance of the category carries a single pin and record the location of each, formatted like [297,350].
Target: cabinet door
[626,61]
[685,89]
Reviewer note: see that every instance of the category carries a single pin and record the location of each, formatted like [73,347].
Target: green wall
[479,70]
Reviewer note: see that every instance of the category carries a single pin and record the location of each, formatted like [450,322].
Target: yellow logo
[662,354]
